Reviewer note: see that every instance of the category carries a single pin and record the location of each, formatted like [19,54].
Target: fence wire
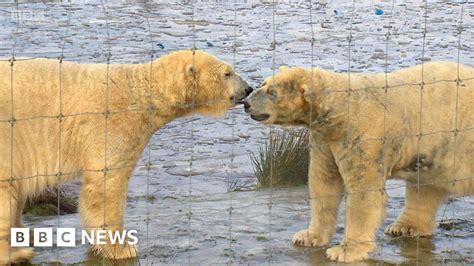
[149,164]
[193,107]
[60,121]
[12,122]
[106,171]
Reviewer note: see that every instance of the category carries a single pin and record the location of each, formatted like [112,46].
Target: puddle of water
[211,230]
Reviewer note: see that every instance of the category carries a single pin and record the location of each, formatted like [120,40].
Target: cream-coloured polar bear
[72,121]
[357,142]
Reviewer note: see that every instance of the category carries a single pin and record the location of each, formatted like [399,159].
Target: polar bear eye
[228,74]
[272,93]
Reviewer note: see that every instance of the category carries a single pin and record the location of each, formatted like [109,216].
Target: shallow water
[211,227]
[220,147]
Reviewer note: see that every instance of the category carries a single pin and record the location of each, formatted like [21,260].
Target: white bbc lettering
[20,237]
[66,237]
[133,237]
[100,237]
[43,237]
[117,237]
[89,236]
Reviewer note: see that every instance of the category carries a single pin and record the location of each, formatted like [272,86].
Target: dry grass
[283,160]
[46,203]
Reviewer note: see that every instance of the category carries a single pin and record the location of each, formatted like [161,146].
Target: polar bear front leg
[102,206]
[324,206]
[365,202]
[19,214]
[419,214]
[363,215]
[325,190]
[9,213]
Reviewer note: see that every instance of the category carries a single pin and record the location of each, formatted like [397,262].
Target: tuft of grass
[238,183]
[283,160]
[45,204]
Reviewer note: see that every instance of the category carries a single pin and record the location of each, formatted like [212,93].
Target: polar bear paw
[307,238]
[402,229]
[350,252]
[115,251]
[16,255]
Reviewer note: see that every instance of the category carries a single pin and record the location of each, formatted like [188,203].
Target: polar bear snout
[255,107]
[239,98]
[241,89]
[244,94]
[248,91]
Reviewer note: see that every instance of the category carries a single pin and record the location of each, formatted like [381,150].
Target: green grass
[46,203]
[283,160]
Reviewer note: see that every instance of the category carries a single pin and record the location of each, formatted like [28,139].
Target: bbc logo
[66,237]
[43,237]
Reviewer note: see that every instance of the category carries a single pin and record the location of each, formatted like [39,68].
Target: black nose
[248,90]
[246,105]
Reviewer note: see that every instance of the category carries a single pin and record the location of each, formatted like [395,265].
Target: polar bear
[69,120]
[418,131]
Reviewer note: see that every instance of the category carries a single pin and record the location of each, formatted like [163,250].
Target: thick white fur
[359,141]
[76,123]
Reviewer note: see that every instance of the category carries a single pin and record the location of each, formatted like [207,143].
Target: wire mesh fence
[179,198]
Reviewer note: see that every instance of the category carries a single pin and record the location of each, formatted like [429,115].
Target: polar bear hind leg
[419,214]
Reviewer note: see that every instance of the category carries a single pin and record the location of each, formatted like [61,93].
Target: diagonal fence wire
[149,164]
[193,108]
[12,121]
[274,45]
[456,131]
[312,40]
[420,130]
[348,110]
[385,168]
[105,114]
[232,152]
[61,120]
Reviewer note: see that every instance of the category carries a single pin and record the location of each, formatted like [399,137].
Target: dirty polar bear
[359,141]
[102,131]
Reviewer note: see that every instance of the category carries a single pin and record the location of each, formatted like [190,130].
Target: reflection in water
[94,260]
[419,250]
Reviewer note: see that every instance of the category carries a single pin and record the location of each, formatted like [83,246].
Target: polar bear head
[201,82]
[282,98]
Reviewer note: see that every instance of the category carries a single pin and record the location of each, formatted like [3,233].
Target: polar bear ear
[283,68]
[191,70]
